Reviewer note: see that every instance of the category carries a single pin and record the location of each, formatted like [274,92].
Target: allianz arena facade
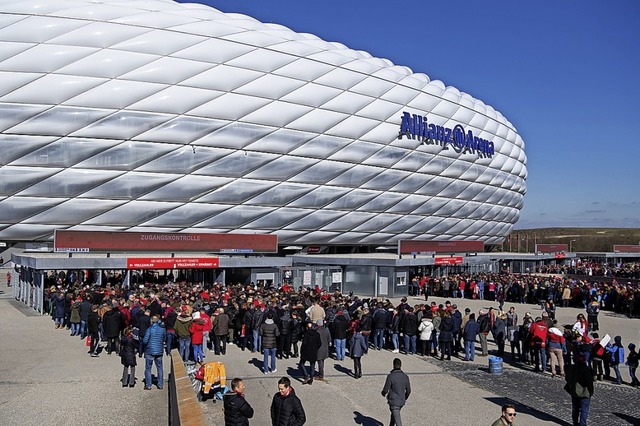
[165,117]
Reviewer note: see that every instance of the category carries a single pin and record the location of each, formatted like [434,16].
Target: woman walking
[357,348]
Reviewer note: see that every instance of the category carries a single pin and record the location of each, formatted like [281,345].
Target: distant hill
[586,239]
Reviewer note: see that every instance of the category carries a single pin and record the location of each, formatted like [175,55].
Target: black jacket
[112,323]
[94,323]
[410,324]
[446,329]
[237,410]
[128,351]
[310,344]
[340,325]
[287,410]
[269,332]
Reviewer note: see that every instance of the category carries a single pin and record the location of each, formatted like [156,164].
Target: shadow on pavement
[630,419]
[363,420]
[343,369]
[521,408]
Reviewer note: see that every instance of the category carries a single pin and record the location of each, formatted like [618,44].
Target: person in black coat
[286,407]
[112,323]
[284,344]
[93,326]
[309,352]
[446,336]
[237,411]
[144,322]
[128,358]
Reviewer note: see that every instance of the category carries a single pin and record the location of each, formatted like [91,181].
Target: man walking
[154,340]
[397,389]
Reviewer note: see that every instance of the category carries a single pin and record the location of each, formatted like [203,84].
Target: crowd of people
[504,288]
[313,325]
[628,270]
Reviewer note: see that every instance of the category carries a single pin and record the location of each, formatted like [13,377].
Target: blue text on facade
[415,126]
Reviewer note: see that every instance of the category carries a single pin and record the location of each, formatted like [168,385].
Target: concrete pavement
[47,377]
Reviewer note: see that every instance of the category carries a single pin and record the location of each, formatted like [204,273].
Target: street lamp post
[571,245]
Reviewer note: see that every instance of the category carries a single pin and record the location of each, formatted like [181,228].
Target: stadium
[158,116]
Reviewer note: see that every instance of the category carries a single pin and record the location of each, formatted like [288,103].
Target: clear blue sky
[565,73]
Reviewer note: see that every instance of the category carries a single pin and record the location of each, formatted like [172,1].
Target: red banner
[560,256]
[172,262]
[626,249]
[83,241]
[429,247]
[551,248]
[455,260]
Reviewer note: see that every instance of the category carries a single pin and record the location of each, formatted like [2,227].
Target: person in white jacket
[425,329]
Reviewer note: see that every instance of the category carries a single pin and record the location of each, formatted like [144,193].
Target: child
[128,358]
[632,362]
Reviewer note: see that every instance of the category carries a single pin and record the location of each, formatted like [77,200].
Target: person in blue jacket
[617,357]
[153,341]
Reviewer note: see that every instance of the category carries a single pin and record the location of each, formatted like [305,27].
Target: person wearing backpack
[592,314]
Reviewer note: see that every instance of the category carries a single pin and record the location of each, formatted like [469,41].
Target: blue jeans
[265,359]
[378,338]
[170,336]
[59,321]
[75,328]
[257,341]
[410,344]
[616,369]
[83,329]
[580,410]
[184,347]
[469,350]
[198,355]
[394,340]
[149,361]
[340,348]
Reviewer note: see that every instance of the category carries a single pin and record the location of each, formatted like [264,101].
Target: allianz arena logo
[415,126]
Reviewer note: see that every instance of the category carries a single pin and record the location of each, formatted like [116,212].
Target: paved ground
[46,375]
[459,392]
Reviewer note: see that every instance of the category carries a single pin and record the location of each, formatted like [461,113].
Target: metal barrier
[28,287]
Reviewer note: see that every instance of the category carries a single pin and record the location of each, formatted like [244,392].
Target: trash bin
[495,365]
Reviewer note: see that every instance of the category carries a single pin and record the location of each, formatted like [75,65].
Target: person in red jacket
[196,330]
[539,333]
[205,332]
